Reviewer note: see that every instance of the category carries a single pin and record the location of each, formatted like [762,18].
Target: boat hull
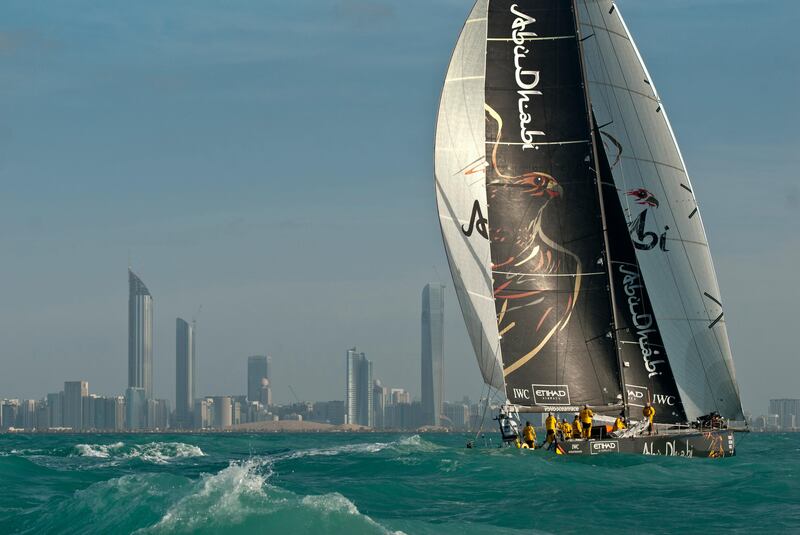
[718,443]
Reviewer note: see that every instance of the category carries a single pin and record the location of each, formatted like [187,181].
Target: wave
[241,496]
[152,452]
[410,444]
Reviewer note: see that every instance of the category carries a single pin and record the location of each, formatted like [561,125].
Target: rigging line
[691,267]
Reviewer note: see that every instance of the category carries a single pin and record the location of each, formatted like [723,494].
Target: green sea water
[383,483]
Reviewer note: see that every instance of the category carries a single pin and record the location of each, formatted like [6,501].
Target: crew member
[529,435]
[619,423]
[550,424]
[649,411]
[566,429]
[577,430]
[586,421]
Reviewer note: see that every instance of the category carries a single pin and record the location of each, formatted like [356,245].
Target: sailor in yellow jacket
[586,421]
[619,423]
[648,412]
[550,425]
[577,430]
[529,435]
[566,429]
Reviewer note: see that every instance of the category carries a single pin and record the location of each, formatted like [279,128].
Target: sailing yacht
[573,233]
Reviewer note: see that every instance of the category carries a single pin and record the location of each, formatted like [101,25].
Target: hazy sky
[272,162]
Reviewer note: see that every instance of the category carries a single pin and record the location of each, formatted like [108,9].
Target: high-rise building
[359,389]
[9,413]
[432,353]
[258,368]
[185,373]
[27,414]
[788,411]
[135,408]
[55,409]
[75,392]
[379,395]
[140,335]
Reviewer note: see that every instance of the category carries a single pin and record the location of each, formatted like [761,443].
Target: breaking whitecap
[152,452]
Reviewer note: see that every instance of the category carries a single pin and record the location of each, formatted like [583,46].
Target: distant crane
[294,394]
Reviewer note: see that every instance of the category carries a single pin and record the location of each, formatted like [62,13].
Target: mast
[598,181]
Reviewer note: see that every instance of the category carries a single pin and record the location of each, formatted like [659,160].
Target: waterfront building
[327,412]
[135,408]
[379,396]
[114,413]
[8,414]
[185,373]
[27,414]
[140,335]
[458,414]
[75,392]
[359,389]
[788,411]
[223,412]
[203,413]
[55,409]
[432,353]
[258,369]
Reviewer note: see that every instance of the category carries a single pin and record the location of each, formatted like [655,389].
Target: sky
[271,162]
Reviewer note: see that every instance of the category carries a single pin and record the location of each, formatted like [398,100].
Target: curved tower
[140,335]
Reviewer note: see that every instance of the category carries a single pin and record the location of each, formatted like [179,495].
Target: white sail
[659,204]
[460,165]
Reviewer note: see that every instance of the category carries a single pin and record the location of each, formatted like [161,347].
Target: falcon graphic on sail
[531,255]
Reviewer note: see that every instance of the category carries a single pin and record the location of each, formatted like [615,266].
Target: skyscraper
[185,373]
[358,403]
[140,336]
[258,368]
[75,393]
[432,353]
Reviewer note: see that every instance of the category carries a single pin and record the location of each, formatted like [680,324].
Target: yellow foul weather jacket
[586,416]
[529,434]
[551,423]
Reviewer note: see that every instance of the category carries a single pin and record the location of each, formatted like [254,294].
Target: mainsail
[574,295]
[551,285]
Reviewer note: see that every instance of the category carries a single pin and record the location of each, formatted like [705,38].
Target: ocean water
[383,483]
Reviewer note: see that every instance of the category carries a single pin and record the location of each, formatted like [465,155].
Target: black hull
[718,443]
